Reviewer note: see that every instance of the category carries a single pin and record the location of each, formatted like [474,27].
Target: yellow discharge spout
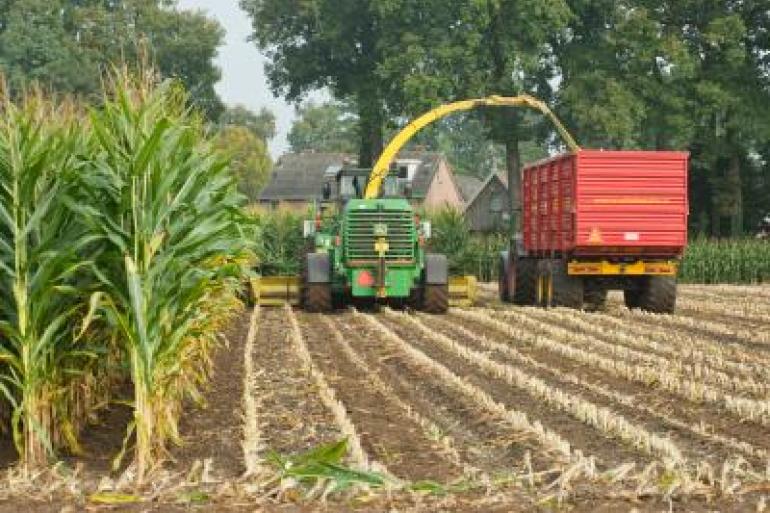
[382,166]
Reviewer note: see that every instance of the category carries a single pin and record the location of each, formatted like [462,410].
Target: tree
[262,124]
[329,127]
[66,44]
[335,44]
[658,74]
[470,48]
[249,158]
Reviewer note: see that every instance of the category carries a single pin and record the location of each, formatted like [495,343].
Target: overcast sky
[243,76]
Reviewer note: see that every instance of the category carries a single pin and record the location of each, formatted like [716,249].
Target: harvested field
[502,408]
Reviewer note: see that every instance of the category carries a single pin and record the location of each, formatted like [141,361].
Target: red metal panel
[596,203]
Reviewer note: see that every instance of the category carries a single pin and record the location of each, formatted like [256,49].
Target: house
[299,178]
[469,186]
[488,210]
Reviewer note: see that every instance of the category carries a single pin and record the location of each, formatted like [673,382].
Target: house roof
[468,185]
[500,177]
[301,176]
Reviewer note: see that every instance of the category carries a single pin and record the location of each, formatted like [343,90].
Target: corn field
[506,399]
[736,261]
[122,246]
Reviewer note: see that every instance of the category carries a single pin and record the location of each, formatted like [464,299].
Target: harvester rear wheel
[658,294]
[317,297]
[436,298]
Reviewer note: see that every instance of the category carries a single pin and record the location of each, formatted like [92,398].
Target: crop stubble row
[559,385]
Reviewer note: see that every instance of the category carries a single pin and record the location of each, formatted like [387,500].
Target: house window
[496,204]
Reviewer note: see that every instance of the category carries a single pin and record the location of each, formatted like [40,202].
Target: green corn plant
[41,268]
[168,212]
[736,261]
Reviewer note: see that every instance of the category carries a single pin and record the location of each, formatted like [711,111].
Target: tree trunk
[513,167]
[370,125]
[735,190]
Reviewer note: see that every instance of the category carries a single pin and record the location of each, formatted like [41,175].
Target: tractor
[370,250]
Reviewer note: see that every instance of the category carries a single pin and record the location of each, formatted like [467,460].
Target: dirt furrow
[614,340]
[716,332]
[386,433]
[582,437]
[483,435]
[213,432]
[620,361]
[731,358]
[711,417]
[292,419]
[695,440]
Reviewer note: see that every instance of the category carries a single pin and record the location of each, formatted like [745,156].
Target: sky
[243,75]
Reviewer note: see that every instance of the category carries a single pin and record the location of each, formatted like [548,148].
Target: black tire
[567,290]
[503,279]
[317,297]
[658,294]
[525,281]
[594,298]
[436,299]
[632,298]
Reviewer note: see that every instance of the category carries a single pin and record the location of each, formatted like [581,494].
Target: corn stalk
[41,278]
[167,210]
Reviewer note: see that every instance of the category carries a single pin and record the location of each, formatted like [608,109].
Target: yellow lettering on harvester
[595,237]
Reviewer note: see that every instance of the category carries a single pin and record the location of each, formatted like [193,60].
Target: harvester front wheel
[317,297]
[435,298]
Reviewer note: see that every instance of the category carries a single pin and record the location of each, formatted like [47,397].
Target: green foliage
[169,219]
[281,244]
[324,465]
[248,156]
[329,127]
[467,253]
[261,124]
[65,45]
[736,261]
[42,244]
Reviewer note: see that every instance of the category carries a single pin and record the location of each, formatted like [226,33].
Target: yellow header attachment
[382,166]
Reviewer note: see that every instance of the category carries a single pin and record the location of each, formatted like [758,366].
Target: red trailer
[598,220]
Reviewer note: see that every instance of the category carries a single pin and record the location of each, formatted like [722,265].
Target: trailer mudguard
[318,268]
[436,269]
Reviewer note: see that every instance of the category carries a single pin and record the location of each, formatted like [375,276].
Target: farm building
[299,178]
[487,210]
[468,185]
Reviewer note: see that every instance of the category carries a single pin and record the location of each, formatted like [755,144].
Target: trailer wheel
[503,279]
[658,294]
[525,282]
[594,297]
[567,290]
[435,298]
[632,298]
